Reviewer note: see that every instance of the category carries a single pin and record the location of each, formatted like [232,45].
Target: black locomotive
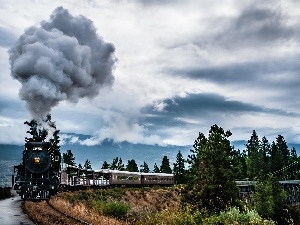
[38,176]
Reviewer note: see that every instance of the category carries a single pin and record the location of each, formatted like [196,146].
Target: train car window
[37,149]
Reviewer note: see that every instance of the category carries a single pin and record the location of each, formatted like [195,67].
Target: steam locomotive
[38,176]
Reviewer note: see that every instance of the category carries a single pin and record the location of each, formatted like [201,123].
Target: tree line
[117,164]
[258,160]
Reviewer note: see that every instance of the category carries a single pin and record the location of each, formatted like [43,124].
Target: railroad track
[43,213]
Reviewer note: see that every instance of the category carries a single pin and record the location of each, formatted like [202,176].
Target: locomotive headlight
[37,160]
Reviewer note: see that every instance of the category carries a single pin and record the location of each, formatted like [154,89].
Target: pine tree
[145,168]
[105,165]
[266,150]
[68,158]
[113,165]
[165,165]
[156,169]
[179,169]
[194,160]
[117,164]
[87,165]
[216,188]
[279,159]
[284,154]
[255,157]
[120,165]
[132,166]
[239,164]
[275,161]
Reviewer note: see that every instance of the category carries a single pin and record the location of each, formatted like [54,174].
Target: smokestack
[61,59]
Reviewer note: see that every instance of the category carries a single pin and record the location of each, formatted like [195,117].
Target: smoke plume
[62,59]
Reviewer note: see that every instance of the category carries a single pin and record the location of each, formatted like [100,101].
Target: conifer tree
[239,164]
[284,154]
[275,161]
[117,164]
[132,166]
[216,188]
[120,165]
[156,169]
[266,150]
[105,165]
[179,169]
[87,165]
[145,168]
[69,158]
[194,160]
[255,157]
[165,165]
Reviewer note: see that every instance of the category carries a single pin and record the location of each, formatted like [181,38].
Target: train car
[159,179]
[124,178]
[38,176]
[73,178]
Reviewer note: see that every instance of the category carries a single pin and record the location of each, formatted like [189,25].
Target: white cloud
[12,131]
[150,40]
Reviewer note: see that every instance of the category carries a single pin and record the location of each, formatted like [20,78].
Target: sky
[175,69]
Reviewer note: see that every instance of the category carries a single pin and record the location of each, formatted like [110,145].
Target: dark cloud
[197,106]
[203,103]
[7,38]
[259,73]
[257,26]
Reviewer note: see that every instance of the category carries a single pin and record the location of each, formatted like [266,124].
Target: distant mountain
[11,152]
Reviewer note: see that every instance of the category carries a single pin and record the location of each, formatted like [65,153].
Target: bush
[168,217]
[115,209]
[234,216]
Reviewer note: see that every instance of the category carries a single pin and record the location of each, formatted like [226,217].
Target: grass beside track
[117,205]
[145,206]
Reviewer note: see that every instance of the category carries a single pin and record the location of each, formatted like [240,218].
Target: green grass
[105,201]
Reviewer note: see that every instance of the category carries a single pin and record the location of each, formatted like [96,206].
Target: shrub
[234,216]
[168,217]
[115,209]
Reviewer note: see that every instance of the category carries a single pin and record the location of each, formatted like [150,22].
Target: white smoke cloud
[63,59]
